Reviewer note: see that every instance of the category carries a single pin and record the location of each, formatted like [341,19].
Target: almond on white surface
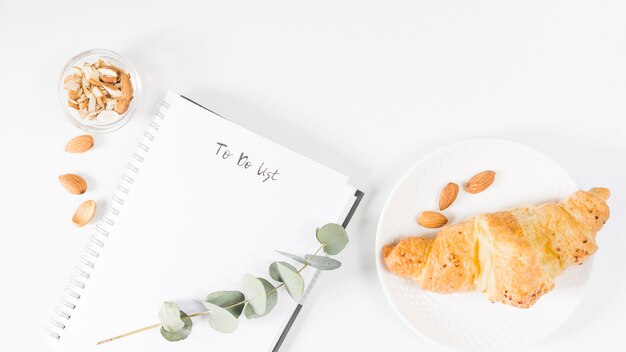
[73,183]
[79,144]
[84,213]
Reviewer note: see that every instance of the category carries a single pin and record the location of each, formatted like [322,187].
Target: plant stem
[149,327]
[129,333]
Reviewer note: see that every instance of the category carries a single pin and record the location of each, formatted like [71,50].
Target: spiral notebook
[204,201]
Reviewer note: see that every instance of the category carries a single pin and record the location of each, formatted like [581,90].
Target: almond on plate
[432,219]
[480,182]
[448,195]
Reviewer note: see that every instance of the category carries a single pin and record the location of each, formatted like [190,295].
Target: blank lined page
[211,202]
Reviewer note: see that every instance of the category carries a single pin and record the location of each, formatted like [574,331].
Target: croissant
[513,257]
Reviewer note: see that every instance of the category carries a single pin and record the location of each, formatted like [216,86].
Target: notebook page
[196,220]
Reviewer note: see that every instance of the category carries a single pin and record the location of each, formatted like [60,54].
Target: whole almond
[79,144]
[73,183]
[432,219]
[480,181]
[127,94]
[84,213]
[448,195]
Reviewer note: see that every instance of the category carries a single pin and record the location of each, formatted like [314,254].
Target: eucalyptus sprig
[259,296]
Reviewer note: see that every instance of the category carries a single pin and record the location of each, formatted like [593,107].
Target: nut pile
[75,184]
[99,91]
[478,183]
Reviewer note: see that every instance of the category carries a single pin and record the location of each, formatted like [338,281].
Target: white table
[364,88]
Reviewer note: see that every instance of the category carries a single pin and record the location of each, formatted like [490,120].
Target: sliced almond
[122,106]
[111,104]
[73,183]
[72,104]
[105,71]
[84,213]
[107,79]
[99,104]
[73,94]
[118,71]
[85,83]
[448,195]
[96,92]
[480,182]
[71,85]
[71,78]
[92,115]
[91,107]
[95,82]
[432,219]
[79,144]
[108,116]
[91,73]
[88,93]
[112,90]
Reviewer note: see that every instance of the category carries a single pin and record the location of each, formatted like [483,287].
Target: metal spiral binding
[87,262]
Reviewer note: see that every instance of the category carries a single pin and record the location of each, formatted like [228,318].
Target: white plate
[468,321]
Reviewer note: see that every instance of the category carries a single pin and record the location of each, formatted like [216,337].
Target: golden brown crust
[514,256]
[408,257]
[588,209]
[452,266]
[518,277]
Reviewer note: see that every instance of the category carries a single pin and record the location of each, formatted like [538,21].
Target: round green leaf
[169,315]
[334,238]
[272,298]
[274,270]
[322,262]
[220,319]
[227,299]
[179,334]
[297,258]
[255,293]
[293,281]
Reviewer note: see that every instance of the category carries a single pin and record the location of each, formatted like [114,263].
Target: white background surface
[365,87]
